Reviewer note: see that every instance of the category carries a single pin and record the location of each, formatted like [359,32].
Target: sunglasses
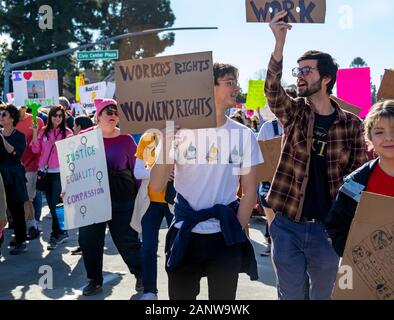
[58,115]
[304,71]
[3,114]
[111,112]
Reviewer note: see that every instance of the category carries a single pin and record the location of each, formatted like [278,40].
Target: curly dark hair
[52,112]
[326,65]
[12,111]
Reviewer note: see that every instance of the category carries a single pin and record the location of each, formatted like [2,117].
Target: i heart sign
[27,75]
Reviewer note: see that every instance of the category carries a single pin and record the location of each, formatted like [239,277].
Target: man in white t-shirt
[207,237]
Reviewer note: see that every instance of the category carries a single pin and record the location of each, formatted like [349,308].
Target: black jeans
[52,194]
[18,219]
[206,255]
[91,240]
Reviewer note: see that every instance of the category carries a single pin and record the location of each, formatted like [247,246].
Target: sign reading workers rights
[175,88]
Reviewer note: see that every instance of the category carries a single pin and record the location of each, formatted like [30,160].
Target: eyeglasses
[230,83]
[58,115]
[111,112]
[304,71]
[3,114]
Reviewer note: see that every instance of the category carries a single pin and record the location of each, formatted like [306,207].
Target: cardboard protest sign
[110,92]
[175,88]
[91,91]
[386,89]
[354,87]
[271,150]
[35,86]
[299,11]
[256,97]
[347,106]
[369,251]
[84,178]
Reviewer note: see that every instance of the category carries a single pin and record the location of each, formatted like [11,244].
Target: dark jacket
[342,211]
[177,239]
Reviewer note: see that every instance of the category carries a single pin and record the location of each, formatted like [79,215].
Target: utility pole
[8,67]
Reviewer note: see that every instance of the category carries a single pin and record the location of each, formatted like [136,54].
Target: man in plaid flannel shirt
[321,145]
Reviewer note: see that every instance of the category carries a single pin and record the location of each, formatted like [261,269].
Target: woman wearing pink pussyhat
[119,151]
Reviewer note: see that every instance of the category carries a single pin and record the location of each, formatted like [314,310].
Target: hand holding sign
[279,27]
[34,109]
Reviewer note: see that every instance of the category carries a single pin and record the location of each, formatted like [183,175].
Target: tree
[3,53]
[74,23]
[358,63]
[72,20]
[124,16]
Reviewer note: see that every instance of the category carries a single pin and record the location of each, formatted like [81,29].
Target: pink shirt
[43,147]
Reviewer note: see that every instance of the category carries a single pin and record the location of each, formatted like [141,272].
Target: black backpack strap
[275,126]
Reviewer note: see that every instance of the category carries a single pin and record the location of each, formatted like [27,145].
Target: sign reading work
[35,87]
[175,88]
[299,11]
[84,178]
[98,55]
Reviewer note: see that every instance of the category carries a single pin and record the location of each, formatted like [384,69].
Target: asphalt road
[40,274]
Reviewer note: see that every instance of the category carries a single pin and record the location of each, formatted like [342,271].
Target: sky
[353,28]
[368,33]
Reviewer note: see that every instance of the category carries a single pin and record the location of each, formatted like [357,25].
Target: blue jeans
[37,204]
[52,193]
[301,249]
[151,222]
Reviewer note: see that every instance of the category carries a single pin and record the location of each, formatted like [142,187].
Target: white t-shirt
[208,165]
[267,130]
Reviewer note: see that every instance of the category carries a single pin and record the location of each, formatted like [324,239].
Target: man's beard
[316,87]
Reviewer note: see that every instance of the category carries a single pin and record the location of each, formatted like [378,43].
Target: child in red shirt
[376,176]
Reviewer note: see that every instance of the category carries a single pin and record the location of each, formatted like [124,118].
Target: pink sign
[354,86]
[249,113]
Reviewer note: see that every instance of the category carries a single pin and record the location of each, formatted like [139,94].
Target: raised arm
[282,105]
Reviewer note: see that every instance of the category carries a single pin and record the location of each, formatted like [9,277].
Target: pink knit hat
[100,104]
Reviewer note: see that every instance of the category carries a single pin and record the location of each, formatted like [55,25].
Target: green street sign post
[98,55]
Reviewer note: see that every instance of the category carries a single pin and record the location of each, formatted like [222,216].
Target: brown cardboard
[152,91]
[310,11]
[271,150]
[347,106]
[369,251]
[386,89]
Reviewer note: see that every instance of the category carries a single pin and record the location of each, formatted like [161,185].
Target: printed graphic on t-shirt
[234,156]
[191,152]
[212,154]
[319,141]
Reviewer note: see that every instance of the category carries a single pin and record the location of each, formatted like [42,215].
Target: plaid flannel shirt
[345,146]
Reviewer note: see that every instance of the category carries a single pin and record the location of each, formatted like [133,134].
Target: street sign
[98,55]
